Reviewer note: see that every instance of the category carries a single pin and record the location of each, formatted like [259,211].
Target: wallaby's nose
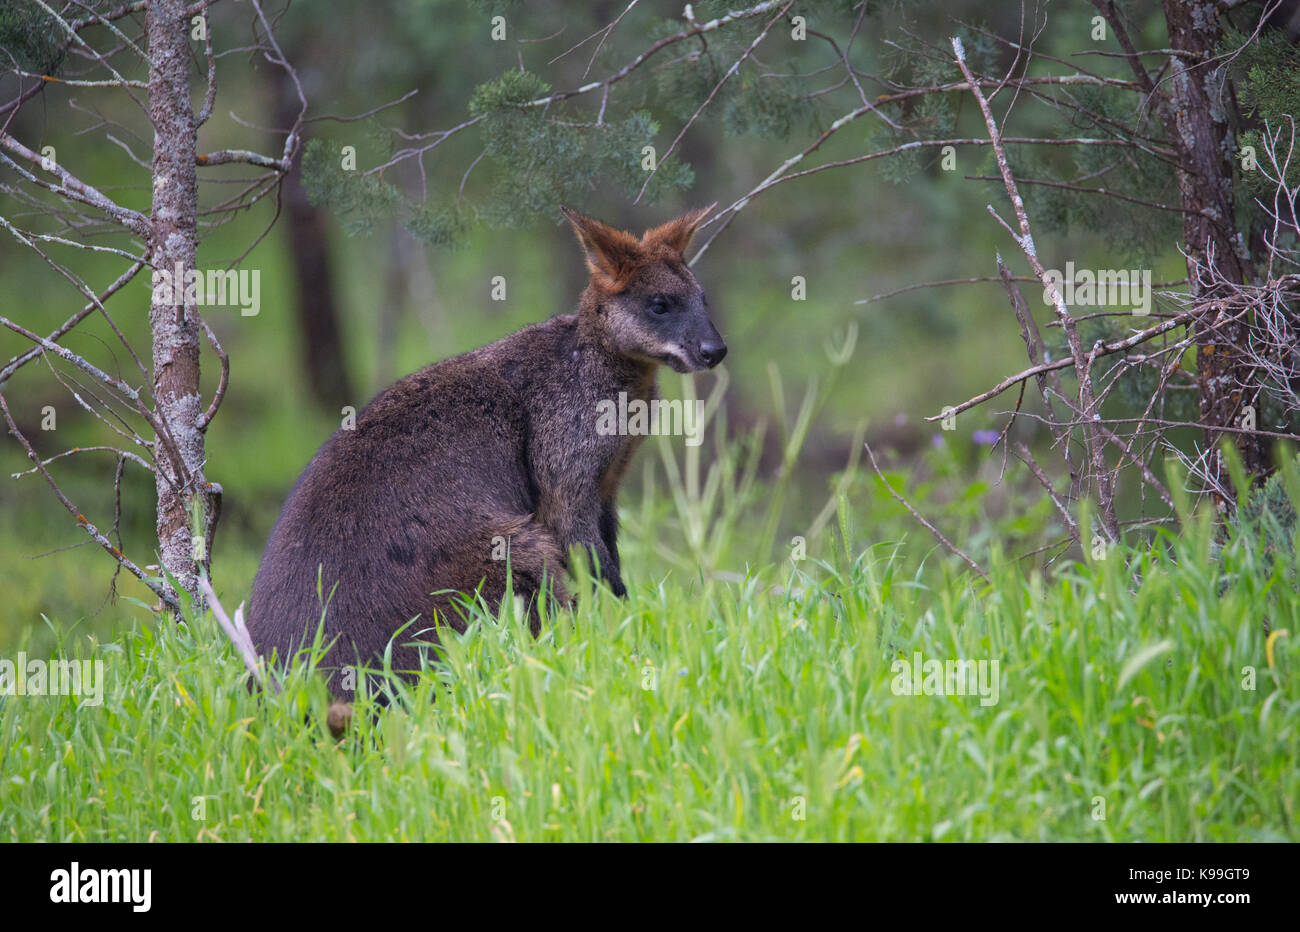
[712,352]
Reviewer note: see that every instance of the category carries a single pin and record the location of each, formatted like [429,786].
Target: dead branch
[1026,242]
[939,535]
[163,592]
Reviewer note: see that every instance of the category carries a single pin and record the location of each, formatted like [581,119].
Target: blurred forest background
[357,291]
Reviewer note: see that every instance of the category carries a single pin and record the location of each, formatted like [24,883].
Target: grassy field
[1140,697]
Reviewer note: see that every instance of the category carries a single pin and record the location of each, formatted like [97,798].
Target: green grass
[735,695]
[707,710]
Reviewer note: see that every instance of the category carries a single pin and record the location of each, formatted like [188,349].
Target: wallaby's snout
[696,343]
[713,353]
[712,349]
[679,331]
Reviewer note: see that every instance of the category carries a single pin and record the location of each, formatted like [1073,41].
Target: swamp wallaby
[396,516]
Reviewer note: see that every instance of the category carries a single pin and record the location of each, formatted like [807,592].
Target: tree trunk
[1200,132]
[178,445]
[321,345]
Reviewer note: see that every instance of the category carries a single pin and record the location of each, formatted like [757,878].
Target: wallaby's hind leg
[536,562]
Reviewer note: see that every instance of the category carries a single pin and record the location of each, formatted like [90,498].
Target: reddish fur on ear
[612,255]
[676,234]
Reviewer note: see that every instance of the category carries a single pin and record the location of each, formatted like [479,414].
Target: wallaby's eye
[658,306]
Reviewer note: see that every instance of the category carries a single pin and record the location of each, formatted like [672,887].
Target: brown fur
[398,515]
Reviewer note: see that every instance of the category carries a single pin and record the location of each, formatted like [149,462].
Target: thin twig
[918,516]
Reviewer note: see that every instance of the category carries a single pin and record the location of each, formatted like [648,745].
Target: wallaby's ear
[676,234]
[611,254]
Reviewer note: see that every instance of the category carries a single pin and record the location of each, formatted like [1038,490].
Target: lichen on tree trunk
[176,329]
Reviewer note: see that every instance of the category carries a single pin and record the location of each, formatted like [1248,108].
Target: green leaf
[1143,657]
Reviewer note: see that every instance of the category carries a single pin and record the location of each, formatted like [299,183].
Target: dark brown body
[498,443]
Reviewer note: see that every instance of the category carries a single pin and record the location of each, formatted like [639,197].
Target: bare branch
[74,188]
[237,631]
[122,454]
[1026,242]
[735,66]
[158,588]
[243,156]
[1027,458]
[917,515]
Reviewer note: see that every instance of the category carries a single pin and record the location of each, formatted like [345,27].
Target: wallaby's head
[643,297]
